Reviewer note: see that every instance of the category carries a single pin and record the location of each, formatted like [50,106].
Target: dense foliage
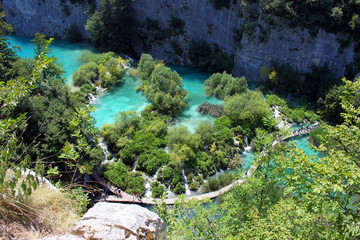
[142,139]
[332,15]
[247,109]
[209,58]
[223,85]
[163,87]
[290,196]
[113,27]
[105,70]
[73,34]
[58,127]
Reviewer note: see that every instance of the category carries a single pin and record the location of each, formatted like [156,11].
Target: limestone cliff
[280,44]
[49,17]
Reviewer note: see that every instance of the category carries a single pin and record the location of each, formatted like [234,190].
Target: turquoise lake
[67,53]
[126,98]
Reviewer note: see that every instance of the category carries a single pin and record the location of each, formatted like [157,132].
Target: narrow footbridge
[123,197]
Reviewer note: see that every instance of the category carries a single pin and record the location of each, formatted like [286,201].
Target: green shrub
[316,135]
[74,34]
[273,100]
[157,189]
[223,85]
[116,173]
[151,160]
[86,74]
[215,183]
[209,58]
[136,184]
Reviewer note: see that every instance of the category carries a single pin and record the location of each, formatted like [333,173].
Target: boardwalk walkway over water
[124,197]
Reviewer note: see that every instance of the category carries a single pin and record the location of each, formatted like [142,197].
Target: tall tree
[113,28]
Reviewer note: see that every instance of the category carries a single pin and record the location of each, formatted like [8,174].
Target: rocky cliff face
[49,17]
[282,45]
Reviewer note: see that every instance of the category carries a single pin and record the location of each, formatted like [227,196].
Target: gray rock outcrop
[292,46]
[50,17]
[115,221]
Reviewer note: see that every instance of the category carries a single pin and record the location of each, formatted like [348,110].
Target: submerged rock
[111,221]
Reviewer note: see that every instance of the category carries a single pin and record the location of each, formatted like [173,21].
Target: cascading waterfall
[134,166]
[247,148]
[106,152]
[92,98]
[187,190]
[148,192]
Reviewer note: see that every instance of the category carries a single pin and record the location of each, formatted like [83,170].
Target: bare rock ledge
[112,221]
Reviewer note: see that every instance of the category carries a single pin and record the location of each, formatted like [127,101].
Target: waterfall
[187,190]
[148,192]
[106,152]
[247,148]
[134,166]
[92,98]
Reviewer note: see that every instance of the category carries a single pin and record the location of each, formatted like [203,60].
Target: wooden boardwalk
[123,197]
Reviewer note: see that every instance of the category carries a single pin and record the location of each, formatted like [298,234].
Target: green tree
[113,28]
[180,135]
[86,74]
[206,130]
[146,66]
[223,85]
[163,87]
[247,109]
[11,92]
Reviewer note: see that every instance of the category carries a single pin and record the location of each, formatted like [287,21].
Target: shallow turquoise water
[194,82]
[122,98]
[125,97]
[67,53]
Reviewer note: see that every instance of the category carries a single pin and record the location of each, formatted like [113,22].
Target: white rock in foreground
[112,221]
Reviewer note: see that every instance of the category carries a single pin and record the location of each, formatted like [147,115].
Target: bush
[163,87]
[215,183]
[151,160]
[223,85]
[157,189]
[116,173]
[274,100]
[73,34]
[209,58]
[315,136]
[177,182]
[247,109]
[165,175]
[120,175]
[86,74]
